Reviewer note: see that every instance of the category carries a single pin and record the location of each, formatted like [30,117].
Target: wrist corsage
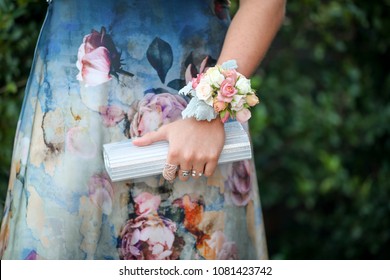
[220,92]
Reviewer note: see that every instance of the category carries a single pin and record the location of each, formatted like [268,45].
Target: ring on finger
[185,173]
[194,173]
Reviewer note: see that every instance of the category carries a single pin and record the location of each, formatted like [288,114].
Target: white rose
[215,77]
[238,102]
[243,85]
[204,92]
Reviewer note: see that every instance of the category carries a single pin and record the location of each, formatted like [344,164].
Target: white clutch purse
[125,161]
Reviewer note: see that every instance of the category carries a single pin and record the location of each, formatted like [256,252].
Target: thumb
[150,138]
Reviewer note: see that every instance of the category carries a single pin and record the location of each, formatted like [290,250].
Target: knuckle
[173,154]
[187,157]
[214,157]
[200,158]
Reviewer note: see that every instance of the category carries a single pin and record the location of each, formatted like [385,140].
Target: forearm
[251,32]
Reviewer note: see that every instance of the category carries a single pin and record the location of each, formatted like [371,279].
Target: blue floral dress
[105,71]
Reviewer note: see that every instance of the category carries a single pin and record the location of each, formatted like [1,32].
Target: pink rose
[98,58]
[111,115]
[226,92]
[154,110]
[101,192]
[243,115]
[230,75]
[148,238]
[146,203]
[93,62]
[239,183]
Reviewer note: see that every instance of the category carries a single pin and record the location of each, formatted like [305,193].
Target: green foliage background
[321,134]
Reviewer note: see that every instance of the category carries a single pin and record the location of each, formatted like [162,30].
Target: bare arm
[197,145]
[251,32]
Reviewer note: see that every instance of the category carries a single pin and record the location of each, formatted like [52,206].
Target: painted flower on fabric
[238,185]
[98,59]
[154,110]
[80,142]
[146,203]
[148,237]
[221,248]
[101,192]
[111,115]
[32,256]
[221,8]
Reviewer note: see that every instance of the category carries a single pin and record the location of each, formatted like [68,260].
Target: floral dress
[105,71]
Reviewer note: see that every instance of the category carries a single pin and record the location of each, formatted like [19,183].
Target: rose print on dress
[98,59]
[221,8]
[209,245]
[238,186]
[153,111]
[111,115]
[146,203]
[101,192]
[149,236]
[221,248]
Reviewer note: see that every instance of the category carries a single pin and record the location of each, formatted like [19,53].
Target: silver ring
[193,173]
[169,171]
[185,173]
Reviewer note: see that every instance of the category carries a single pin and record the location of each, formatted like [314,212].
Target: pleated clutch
[125,161]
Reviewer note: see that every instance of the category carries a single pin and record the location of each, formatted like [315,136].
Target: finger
[150,138]
[210,168]
[198,170]
[184,172]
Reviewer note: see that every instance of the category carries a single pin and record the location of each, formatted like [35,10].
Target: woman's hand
[194,146]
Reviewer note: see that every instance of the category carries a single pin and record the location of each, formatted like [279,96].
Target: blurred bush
[321,133]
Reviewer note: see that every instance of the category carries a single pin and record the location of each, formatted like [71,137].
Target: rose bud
[252,99]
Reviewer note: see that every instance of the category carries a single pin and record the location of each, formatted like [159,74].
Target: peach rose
[252,99]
